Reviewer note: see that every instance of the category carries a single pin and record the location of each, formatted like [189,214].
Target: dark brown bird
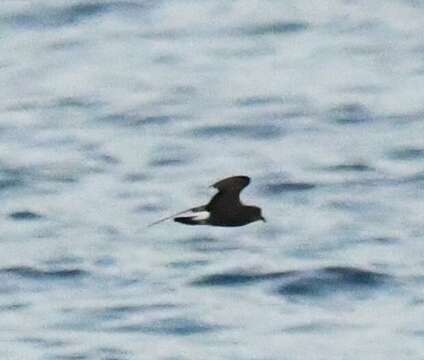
[224,209]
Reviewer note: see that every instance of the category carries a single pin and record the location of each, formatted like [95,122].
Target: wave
[303,282]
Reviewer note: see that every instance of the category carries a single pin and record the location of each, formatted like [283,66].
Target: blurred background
[116,113]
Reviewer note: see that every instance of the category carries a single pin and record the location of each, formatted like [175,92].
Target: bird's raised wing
[228,192]
[233,183]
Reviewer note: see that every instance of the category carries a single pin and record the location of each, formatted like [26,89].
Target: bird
[224,209]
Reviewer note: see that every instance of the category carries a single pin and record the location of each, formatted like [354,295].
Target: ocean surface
[114,114]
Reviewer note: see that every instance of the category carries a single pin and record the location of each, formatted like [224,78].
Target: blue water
[116,113]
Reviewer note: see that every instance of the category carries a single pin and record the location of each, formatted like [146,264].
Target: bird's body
[236,216]
[224,209]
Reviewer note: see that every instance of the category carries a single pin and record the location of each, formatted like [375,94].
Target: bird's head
[256,214]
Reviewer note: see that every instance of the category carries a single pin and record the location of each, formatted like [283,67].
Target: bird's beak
[263,219]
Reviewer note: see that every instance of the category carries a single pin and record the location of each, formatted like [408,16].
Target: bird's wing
[228,192]
[233,183]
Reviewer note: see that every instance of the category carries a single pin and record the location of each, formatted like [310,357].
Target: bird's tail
[198,208]
[187,221]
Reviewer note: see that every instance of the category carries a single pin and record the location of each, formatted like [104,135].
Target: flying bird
[224,209]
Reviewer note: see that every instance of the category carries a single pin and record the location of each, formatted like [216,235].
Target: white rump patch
[196,215]
[189,214]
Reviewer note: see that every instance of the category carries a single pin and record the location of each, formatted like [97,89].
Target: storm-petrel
[225,208]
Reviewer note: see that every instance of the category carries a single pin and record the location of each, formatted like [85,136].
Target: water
[116,113]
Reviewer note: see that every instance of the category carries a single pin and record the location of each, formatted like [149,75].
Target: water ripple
[10,178]
[283,187]
[98,317]
[170,326]
[136,120]
[43,342]
[302,283]
[25,215]
[74,356]
[280,27]
[239,278]
[6,184]
[168,161]
[70,15]
[14,306]
[351,114]
[319,326]
[407,153]
[331,280]
[354,167]
[259,101]
[38,274]
[264,131]
[61,16]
